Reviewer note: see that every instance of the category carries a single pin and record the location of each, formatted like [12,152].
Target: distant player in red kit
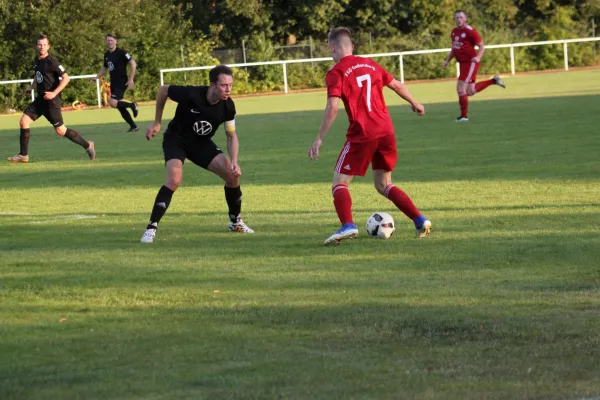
[464,40]
[370,138]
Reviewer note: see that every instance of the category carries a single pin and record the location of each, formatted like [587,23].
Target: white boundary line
[53,217]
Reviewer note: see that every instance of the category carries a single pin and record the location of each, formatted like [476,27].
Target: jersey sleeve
[334,81]
[386,77]
[58,68]
[126,56]
[230,114]
[475,37]
[180,94]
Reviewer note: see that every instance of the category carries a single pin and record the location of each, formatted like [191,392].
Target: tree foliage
[176,33]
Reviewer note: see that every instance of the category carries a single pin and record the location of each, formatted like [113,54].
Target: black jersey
[195,118]
[116,62]
[47,73]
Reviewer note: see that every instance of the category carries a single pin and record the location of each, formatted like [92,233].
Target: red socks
[479,86]
[343,203]
[463,101]
[402,201]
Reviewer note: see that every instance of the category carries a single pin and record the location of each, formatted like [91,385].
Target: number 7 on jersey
[359,81]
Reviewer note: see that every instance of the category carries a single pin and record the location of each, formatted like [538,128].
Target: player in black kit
[50,78]
[200,111]
[115,62]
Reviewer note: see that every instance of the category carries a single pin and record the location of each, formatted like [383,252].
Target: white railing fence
[400,56]
[98,94]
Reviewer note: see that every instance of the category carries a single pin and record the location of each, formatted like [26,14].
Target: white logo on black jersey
[39,77]
[202,128]
[111,66]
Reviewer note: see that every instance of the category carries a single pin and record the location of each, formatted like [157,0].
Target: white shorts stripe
[471,70]
[338,166]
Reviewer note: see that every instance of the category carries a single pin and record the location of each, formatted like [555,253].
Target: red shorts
[468,72]
[355,158]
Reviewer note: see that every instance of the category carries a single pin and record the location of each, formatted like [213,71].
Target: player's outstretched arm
[331,111]
[480,52]
[161,100]
[132,67]
[29,89]
[64,81]
[233,149]
[448,58]
[403,92]
[99,74]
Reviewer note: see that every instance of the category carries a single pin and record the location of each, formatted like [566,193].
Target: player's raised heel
[498,81]
[424,230]
[134,108]
[91,151]
[347,231]
[240,226]
[18,158]
[148,236]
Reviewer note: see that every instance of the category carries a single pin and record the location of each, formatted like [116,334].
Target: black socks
[163,199]
[122,107]
[74,137]
[233,196]
[24,141]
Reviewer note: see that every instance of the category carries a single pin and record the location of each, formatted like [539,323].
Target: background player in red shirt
[464,39]
[370,138]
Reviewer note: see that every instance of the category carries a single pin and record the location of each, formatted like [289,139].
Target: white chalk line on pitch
[54,217]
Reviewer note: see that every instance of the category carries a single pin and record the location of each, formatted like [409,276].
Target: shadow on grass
[323,351]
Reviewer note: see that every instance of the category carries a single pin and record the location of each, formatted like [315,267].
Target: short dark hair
[110,35]
[213,74]
[336,33]
[41,36]
[460,11]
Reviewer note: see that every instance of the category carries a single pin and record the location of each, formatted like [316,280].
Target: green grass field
[501,302]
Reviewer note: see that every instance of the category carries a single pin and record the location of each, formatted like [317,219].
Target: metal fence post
[401,69]
[98,93]
[457,70]
[512,60]
[566,56]
[285,83]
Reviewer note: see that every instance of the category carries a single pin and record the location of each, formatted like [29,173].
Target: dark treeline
[175,33]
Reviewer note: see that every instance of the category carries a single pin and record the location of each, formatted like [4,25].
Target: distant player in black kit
[115,62]
[51,78]
[200,111]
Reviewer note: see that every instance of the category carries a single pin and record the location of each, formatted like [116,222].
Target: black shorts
[199,152]
[49,109]
[117,92]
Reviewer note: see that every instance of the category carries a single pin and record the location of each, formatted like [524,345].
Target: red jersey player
[464,39]
[370,138]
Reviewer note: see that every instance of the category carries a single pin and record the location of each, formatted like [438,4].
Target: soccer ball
[380,225]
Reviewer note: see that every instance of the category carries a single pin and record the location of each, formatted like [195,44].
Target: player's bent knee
[381,186]
[233,182]
[61,130]
[173,182]
[25,122]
